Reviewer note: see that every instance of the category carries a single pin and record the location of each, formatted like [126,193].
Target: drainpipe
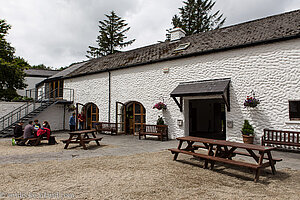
[109,95]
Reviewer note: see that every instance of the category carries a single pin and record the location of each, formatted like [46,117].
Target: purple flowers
[251,102]
[160,105]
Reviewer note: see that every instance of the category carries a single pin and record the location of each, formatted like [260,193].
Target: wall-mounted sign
[166,70]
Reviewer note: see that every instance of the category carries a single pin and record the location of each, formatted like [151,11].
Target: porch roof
[202,88]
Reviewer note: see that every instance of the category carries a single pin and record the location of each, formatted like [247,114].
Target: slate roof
[39,72]
[68,70]
[196,88]
[270,29]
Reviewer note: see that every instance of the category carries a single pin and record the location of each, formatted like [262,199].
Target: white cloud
[58,32]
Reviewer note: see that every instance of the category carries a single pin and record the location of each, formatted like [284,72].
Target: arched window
[130,117]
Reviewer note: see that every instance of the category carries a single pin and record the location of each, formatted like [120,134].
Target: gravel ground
[140,172]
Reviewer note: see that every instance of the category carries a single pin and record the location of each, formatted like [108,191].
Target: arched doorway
[91,114]
[130,117]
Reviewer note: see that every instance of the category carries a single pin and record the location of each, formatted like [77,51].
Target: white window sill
[292,122]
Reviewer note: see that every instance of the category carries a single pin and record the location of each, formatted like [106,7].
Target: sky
[57,33]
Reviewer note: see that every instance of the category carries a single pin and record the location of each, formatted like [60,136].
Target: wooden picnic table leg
[81,141]
[190,146]
[210,152]
[179,146]
[68,141]
[94,135]
[217,151]
[258,169]
[271,162]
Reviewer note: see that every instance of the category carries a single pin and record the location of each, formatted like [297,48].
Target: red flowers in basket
[160,105]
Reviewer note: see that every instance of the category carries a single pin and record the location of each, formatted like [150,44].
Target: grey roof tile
[269,29]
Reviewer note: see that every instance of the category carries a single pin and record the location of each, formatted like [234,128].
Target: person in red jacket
[81,119]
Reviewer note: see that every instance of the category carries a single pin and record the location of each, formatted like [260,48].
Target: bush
[160,121]
[247,129]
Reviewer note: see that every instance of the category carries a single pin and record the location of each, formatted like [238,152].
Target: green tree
[11,67]
[41,66]
[111,36]
[195,17]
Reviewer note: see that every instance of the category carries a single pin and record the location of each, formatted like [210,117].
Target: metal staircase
[31,109]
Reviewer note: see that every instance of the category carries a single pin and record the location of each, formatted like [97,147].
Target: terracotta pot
[248,139]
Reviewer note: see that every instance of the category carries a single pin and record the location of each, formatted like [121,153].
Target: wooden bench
[197,146]
[82,137]
[32,141]
[281,138]
[106,127]
[216,159]
[155,130]
[223,151]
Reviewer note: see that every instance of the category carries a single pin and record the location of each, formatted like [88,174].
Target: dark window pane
[137,127]
[294,109]
[137,118]
[144,119]
[137,108]
[94,118]
[144,111]
[94,108]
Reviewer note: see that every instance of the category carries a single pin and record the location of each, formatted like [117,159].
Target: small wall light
[179,122]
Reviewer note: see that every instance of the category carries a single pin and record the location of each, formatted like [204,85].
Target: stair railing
[40,100]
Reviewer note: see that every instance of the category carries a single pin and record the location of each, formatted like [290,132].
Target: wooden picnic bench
[34,141]
[155,130]
[223,152]
[106,127]
[82,140]
[281,138]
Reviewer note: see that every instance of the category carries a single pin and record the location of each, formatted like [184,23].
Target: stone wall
[271,70]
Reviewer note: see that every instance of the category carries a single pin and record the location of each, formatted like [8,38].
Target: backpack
[52,140]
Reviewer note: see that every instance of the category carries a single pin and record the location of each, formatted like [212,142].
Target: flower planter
[247,139]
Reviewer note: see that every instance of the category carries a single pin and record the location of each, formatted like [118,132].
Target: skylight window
[181,47]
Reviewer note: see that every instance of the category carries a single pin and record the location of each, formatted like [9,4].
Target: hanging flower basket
[160,106]
[251,101]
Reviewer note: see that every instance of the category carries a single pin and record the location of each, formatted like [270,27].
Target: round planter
[248,139]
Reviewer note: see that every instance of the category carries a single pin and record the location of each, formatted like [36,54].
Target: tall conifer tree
[195,17]
[111,38]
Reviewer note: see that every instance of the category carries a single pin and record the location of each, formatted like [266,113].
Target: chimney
[176,34]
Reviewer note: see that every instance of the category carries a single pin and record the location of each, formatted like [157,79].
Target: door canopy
[202,88]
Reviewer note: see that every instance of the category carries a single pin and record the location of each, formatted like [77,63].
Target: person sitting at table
[37,125]
[18,130]
[28,131]
[44,131]
[46,125]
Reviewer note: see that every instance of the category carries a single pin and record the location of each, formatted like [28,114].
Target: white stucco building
[203,79]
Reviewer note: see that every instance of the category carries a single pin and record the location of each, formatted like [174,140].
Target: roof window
[181,47]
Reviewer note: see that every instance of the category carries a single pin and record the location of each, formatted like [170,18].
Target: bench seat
[155,130]
[236,152]
[216,159]
[281,138]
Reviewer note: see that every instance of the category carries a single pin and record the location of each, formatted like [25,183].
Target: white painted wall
[53,114]
[31,82]
[7,107]
[271,70]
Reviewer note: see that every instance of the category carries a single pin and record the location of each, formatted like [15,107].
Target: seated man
[18,130]
[28,131]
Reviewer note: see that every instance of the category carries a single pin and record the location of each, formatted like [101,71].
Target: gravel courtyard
[124,167]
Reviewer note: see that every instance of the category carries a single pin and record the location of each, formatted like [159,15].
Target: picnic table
[223,151]
[82,137]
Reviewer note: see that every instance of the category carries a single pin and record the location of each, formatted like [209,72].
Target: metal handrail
[42,99]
